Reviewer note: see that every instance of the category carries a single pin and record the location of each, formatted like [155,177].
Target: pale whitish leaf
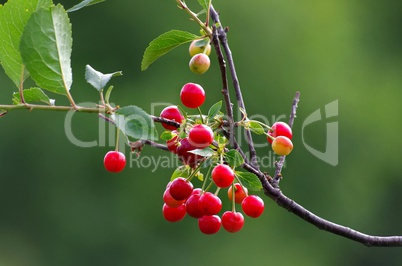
[164,44]
[135,123]
[97,79]
[13,18]
[207,152]
[83,4]
[32,95]
[234,158]
[46,49]
[249,180]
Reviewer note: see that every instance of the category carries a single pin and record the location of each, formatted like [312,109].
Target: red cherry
[185,156]
[171,113]
[201,136]
[209,224]
[192,207]
[222,175]
[240,193]
[181,188]
[114,161]
[232,221]
[209,203]
[173,214]
[253,206]
[282,146]
[192,95]
[170,201]
[279,129]
[172,143]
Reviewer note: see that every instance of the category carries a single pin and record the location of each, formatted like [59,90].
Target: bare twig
[239,97]
[279,165]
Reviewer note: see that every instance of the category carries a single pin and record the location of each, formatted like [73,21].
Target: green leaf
[181,171]
[256,128]
[205,4]
[207,152]
[97,79]
[83,4]
[249,180]
[135,122]
[234,158]
[164,44]
[46,49]
[214,110]
[108,93]
[13,18]
[32,95]
[167,135]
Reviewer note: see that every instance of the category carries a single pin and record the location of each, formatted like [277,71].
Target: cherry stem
[217,191]
[117,139]
[233,197]
[201,116]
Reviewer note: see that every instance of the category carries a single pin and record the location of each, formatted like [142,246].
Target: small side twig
[239,97]
[279,165]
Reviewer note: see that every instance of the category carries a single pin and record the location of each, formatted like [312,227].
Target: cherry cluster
[180,197]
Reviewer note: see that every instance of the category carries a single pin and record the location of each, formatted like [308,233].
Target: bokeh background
[58,206]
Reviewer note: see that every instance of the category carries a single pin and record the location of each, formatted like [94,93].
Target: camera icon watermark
[331,153]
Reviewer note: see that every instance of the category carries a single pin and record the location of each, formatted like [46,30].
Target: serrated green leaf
[234,158]
[214,110]
[181,171]
[167,135]
[164,44]
[32,95]
[46,49]
[13,18]
[97,79]
[249,180]
[207,152]
[135,123]
[83,4]
[256,128]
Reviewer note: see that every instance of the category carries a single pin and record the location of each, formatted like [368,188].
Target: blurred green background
[60,207]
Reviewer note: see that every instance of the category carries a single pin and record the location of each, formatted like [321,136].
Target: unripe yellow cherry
[195,49]
[199,63]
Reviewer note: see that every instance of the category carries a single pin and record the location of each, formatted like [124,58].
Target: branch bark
[271,185]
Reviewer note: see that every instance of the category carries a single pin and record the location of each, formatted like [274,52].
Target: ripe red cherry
[253,206]
[171,113]
[170,201]
[192,207]
[232,221]
[222,175]
[173,214]
[201,136]
[282,146]
[192,95]
[209,203]
[172,143]
[209,224]
[185,156]
[240,193]
[180,188]
[280,129]
[114,161]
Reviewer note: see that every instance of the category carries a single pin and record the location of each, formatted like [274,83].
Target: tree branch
[279,165]
[239,97]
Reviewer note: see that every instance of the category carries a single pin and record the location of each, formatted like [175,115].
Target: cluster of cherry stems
[180,197]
